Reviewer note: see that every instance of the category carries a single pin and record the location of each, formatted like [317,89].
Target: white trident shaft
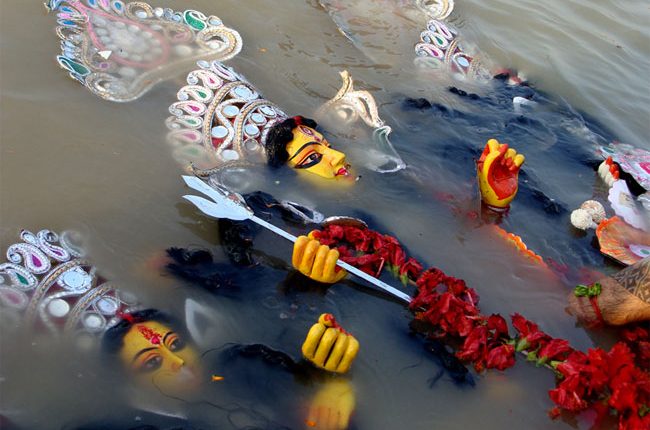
[229,205]
[351,269]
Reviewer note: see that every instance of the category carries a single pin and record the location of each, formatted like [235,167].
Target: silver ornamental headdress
[220,120]
[349,106]
[120,50]
[440,47]
[47,283]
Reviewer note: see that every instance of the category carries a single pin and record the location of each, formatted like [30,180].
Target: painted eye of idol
[151,358]
[310,159]
[310,151]
[174,343]
[150,364]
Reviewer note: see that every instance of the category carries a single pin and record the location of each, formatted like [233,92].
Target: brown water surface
[71,160]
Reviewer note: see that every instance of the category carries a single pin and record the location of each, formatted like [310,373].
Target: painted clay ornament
[498,174]
[627,207]
[622,242]
[120,50]
[220,121]
[441,48]
[589,215]
[47,283]
[634,161]
[350,107]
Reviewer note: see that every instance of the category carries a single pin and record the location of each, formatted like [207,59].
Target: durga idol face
[154,353]
[311,152]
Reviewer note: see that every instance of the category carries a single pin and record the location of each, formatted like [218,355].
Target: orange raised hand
[498,173]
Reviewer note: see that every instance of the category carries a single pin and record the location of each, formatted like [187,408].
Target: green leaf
[522,345]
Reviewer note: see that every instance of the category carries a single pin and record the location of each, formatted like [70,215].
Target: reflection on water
[120,50]
[70,160]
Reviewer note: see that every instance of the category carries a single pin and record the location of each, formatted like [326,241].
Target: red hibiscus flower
[555,349]
[569,398]
[635,334]
[336,232]
[498,325]
[368,263]
[530,337]
[361,239]
[394,254]
[501,358]
[475,345]
[411,269]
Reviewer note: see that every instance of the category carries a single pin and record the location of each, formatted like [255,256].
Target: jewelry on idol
[120,50]
[440,47]
[220,121]
[350,105]
[47,283]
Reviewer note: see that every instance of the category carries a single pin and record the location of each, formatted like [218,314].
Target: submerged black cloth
[237,240]
[198,267]
[237,236]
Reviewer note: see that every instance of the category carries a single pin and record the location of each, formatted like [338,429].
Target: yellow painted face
[154,353]
[310,151]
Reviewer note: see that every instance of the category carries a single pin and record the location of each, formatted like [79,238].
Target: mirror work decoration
[48,284]
[120,50]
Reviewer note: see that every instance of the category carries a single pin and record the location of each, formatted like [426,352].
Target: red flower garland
[600,380]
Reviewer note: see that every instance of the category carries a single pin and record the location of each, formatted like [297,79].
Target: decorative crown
[120,50]
[440,47]
[349,106]
[220,118]
[48,283]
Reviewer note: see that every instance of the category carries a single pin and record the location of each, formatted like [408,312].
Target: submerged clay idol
[48,285]
[220,119]
[50,288]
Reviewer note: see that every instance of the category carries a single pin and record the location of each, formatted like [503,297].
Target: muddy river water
[69,160]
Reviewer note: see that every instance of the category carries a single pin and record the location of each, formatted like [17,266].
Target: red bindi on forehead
[151,335]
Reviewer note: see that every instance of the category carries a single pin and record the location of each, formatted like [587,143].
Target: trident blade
[216,192]
[200,186]
[217,210]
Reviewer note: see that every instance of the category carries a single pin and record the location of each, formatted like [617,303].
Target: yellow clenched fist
[332,406]
[498,173]
[316,261]
[330,347]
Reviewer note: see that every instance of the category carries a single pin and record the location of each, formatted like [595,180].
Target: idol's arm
[315,261]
